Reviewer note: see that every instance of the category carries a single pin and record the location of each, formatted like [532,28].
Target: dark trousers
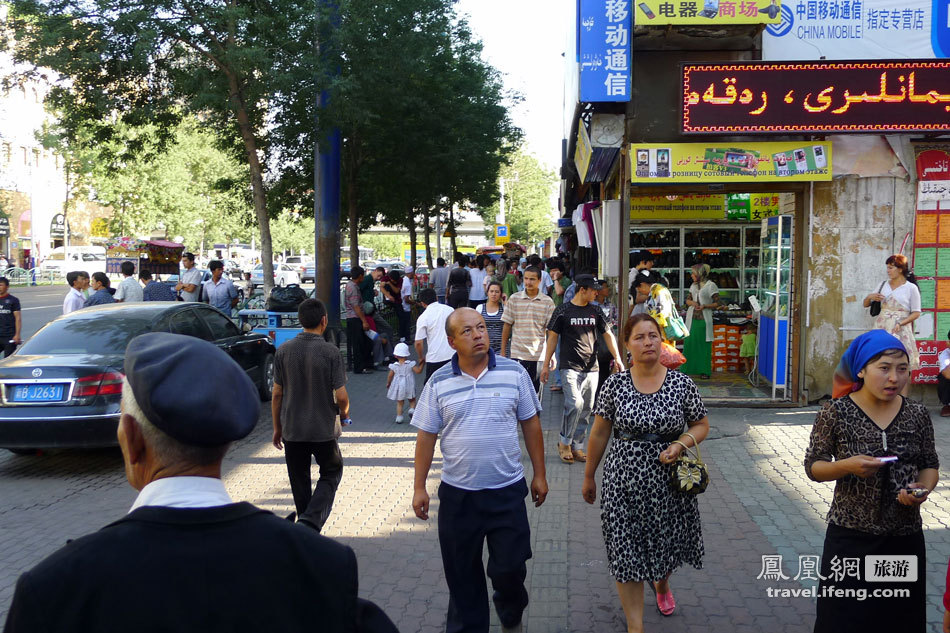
[466,520]
[943,389]
[532,367]
[356,344]
[474,303]
[458,299]
[8,347]
[403,317]
[313,506]
[431,368]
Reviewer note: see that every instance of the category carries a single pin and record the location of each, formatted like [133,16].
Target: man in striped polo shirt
[526,318]
[476,404]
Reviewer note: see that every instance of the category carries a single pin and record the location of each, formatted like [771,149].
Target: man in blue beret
[187,557]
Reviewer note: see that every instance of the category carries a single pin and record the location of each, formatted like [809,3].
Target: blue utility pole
[326,195]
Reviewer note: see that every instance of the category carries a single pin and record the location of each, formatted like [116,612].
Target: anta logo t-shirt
[8,305]
[578,328]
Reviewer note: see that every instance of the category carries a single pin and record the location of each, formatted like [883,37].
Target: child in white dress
[401,383]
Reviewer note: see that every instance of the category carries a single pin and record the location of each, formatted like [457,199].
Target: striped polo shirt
[477,421]
[528,319]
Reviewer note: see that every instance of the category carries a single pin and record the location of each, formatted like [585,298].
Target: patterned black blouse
[870,505]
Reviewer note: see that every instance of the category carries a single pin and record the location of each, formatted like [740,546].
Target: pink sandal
[664,601]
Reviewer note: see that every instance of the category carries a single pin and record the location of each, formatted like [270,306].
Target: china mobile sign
[859,29]
[816,97]
[604,42]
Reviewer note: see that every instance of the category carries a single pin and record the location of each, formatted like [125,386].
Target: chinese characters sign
[656,12]
[859,29]
[721,162]
[813,97]
[604,46]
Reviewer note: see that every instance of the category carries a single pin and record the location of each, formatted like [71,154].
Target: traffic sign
[501,234]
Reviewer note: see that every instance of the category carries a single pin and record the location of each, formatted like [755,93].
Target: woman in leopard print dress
[872,513]
[648,529]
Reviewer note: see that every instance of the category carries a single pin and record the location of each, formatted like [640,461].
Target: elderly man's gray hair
[167,449]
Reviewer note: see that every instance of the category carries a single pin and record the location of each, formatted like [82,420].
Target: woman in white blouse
[900,306]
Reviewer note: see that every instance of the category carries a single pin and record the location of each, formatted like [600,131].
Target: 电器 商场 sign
[816,97]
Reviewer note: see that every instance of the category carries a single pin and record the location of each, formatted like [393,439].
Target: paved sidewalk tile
[759,503]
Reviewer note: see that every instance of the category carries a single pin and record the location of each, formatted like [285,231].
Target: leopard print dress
[648,529]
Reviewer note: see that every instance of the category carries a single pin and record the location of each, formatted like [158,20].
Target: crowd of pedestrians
[488,334]
[86,291]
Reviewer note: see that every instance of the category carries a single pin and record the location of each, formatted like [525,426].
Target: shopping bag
[670,357]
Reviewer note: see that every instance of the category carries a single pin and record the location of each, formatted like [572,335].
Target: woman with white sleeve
[900,306]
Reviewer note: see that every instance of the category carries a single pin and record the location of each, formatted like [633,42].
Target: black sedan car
[64,386]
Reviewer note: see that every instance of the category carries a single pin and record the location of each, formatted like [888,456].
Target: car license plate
[37,393]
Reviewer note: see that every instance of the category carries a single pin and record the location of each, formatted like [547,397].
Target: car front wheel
[266,385]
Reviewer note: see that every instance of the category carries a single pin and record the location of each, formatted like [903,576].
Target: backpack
[286,298]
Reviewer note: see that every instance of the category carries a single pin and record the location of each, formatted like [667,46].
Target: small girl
[401,383]
[747,350]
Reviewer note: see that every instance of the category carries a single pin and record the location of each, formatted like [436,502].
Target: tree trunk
[257,183]
[353,218]
[452,226]
[428,233]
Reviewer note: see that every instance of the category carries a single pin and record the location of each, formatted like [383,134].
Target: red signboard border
[687,67]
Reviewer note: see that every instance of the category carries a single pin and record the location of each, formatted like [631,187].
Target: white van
[61,260]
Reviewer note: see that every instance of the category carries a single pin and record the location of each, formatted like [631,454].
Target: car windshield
[103,335]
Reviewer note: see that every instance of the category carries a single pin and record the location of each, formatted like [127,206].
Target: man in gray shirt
[309,391]
[439,279]
[190,281]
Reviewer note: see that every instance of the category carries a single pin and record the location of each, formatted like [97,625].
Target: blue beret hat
[190,389]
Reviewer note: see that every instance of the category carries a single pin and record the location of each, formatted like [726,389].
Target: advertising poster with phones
[859,29]
[722,162]
[657,12]
[931,261]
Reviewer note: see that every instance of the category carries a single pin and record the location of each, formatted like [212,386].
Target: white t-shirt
[405,292]
[430,327]
[944,359]
[129,290]
[546,282]
[477,291]
[907,294]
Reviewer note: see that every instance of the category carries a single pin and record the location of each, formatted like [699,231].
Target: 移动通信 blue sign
[603,46]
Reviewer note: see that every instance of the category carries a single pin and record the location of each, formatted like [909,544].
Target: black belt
[622,434]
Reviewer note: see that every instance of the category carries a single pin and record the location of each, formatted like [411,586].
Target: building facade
[33,180]
[718,133]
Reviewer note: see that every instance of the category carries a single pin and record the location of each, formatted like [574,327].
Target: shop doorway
[754,258]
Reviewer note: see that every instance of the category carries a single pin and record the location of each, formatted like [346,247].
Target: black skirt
[855,607]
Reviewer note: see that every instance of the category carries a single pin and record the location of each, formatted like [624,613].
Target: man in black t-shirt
[459,284]
[9,318]
[577,324]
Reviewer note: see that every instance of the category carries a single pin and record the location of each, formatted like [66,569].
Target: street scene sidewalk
[760,503]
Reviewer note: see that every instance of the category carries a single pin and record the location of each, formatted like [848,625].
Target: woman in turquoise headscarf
[878,447]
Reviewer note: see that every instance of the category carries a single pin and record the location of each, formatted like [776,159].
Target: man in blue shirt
[476,404]
[101,294]
[155,290]
[219,291]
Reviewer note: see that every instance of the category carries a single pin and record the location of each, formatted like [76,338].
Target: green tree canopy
[529,199]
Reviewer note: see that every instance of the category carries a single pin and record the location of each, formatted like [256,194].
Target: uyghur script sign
[813,97]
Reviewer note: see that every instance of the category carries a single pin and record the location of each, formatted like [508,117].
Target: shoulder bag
[674,329]
[690,474]
[876,305]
